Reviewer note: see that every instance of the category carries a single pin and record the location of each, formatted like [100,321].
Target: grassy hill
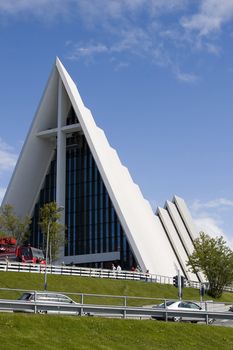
[95,286]
[29,331]
[45,332]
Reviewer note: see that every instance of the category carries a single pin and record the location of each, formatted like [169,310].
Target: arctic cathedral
[66,158]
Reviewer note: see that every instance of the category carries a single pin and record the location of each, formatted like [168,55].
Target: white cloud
[41,8]
[7,157]
[210,18]
[121,65]
[89,9]
[131,41]
[157,30]
[219,203]
[213,228]
[186,77]
[87,51]
[213,217]
[102,9]
[209,225]
[214,49]
[132,38]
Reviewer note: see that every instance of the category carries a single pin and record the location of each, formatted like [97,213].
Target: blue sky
[158,77]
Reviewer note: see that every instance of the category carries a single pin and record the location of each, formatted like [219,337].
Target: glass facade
[92,225]
[47,194]
[71,118]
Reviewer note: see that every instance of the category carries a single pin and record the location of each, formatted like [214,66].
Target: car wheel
[176,319]
[42,312]
[211,321]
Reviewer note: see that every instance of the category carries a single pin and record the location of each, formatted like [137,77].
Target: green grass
[96,286]
[32,281]
[31,332]
[70,332]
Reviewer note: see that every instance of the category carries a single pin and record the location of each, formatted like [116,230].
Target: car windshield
[189,305]
[25,296]
[37,253]
[194,306]
[168,303]
[26,252]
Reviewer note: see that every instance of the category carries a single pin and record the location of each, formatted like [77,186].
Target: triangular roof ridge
[143,229]
[133,210]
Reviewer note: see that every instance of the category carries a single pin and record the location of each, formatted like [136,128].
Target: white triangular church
[67,158]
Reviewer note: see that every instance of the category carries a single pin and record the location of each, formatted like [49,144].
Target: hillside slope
[75,284]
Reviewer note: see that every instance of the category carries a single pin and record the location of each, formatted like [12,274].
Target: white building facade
[66,158]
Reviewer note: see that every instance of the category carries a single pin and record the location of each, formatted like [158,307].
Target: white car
[49,298]
[182,306]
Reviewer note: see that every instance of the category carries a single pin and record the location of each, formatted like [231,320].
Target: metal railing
[121,311]
[93,272]
[87,272]
[111,299]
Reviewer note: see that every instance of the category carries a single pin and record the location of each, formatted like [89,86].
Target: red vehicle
[9,250]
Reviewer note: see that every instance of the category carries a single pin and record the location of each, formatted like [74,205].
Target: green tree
[52,230]
[12,226]
[215,259]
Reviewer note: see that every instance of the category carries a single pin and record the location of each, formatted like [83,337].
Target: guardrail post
[207,316]
[165,305]
[125,305]
[206,306]
[35,309]
[82,299]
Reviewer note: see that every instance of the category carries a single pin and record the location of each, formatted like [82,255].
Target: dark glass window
[47,194]
[71,118]
[97,227]
[92,225]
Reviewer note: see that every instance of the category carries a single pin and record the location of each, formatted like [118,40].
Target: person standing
[118,268]
[114,270]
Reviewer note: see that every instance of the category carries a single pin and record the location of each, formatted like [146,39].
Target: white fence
[84,272]
[87,272]
[90,272]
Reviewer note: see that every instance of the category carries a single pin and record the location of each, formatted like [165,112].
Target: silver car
[54,299]
[182,306]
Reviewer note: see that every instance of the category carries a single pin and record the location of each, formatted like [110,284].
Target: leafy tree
[215,259]
[12,226]
[51,229]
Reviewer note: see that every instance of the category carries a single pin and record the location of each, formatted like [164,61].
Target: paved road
[223,323]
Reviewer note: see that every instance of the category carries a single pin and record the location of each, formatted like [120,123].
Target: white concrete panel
[143,229]
[189,224]
[36,154]
[186,216]
[184,235]
[176,243]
